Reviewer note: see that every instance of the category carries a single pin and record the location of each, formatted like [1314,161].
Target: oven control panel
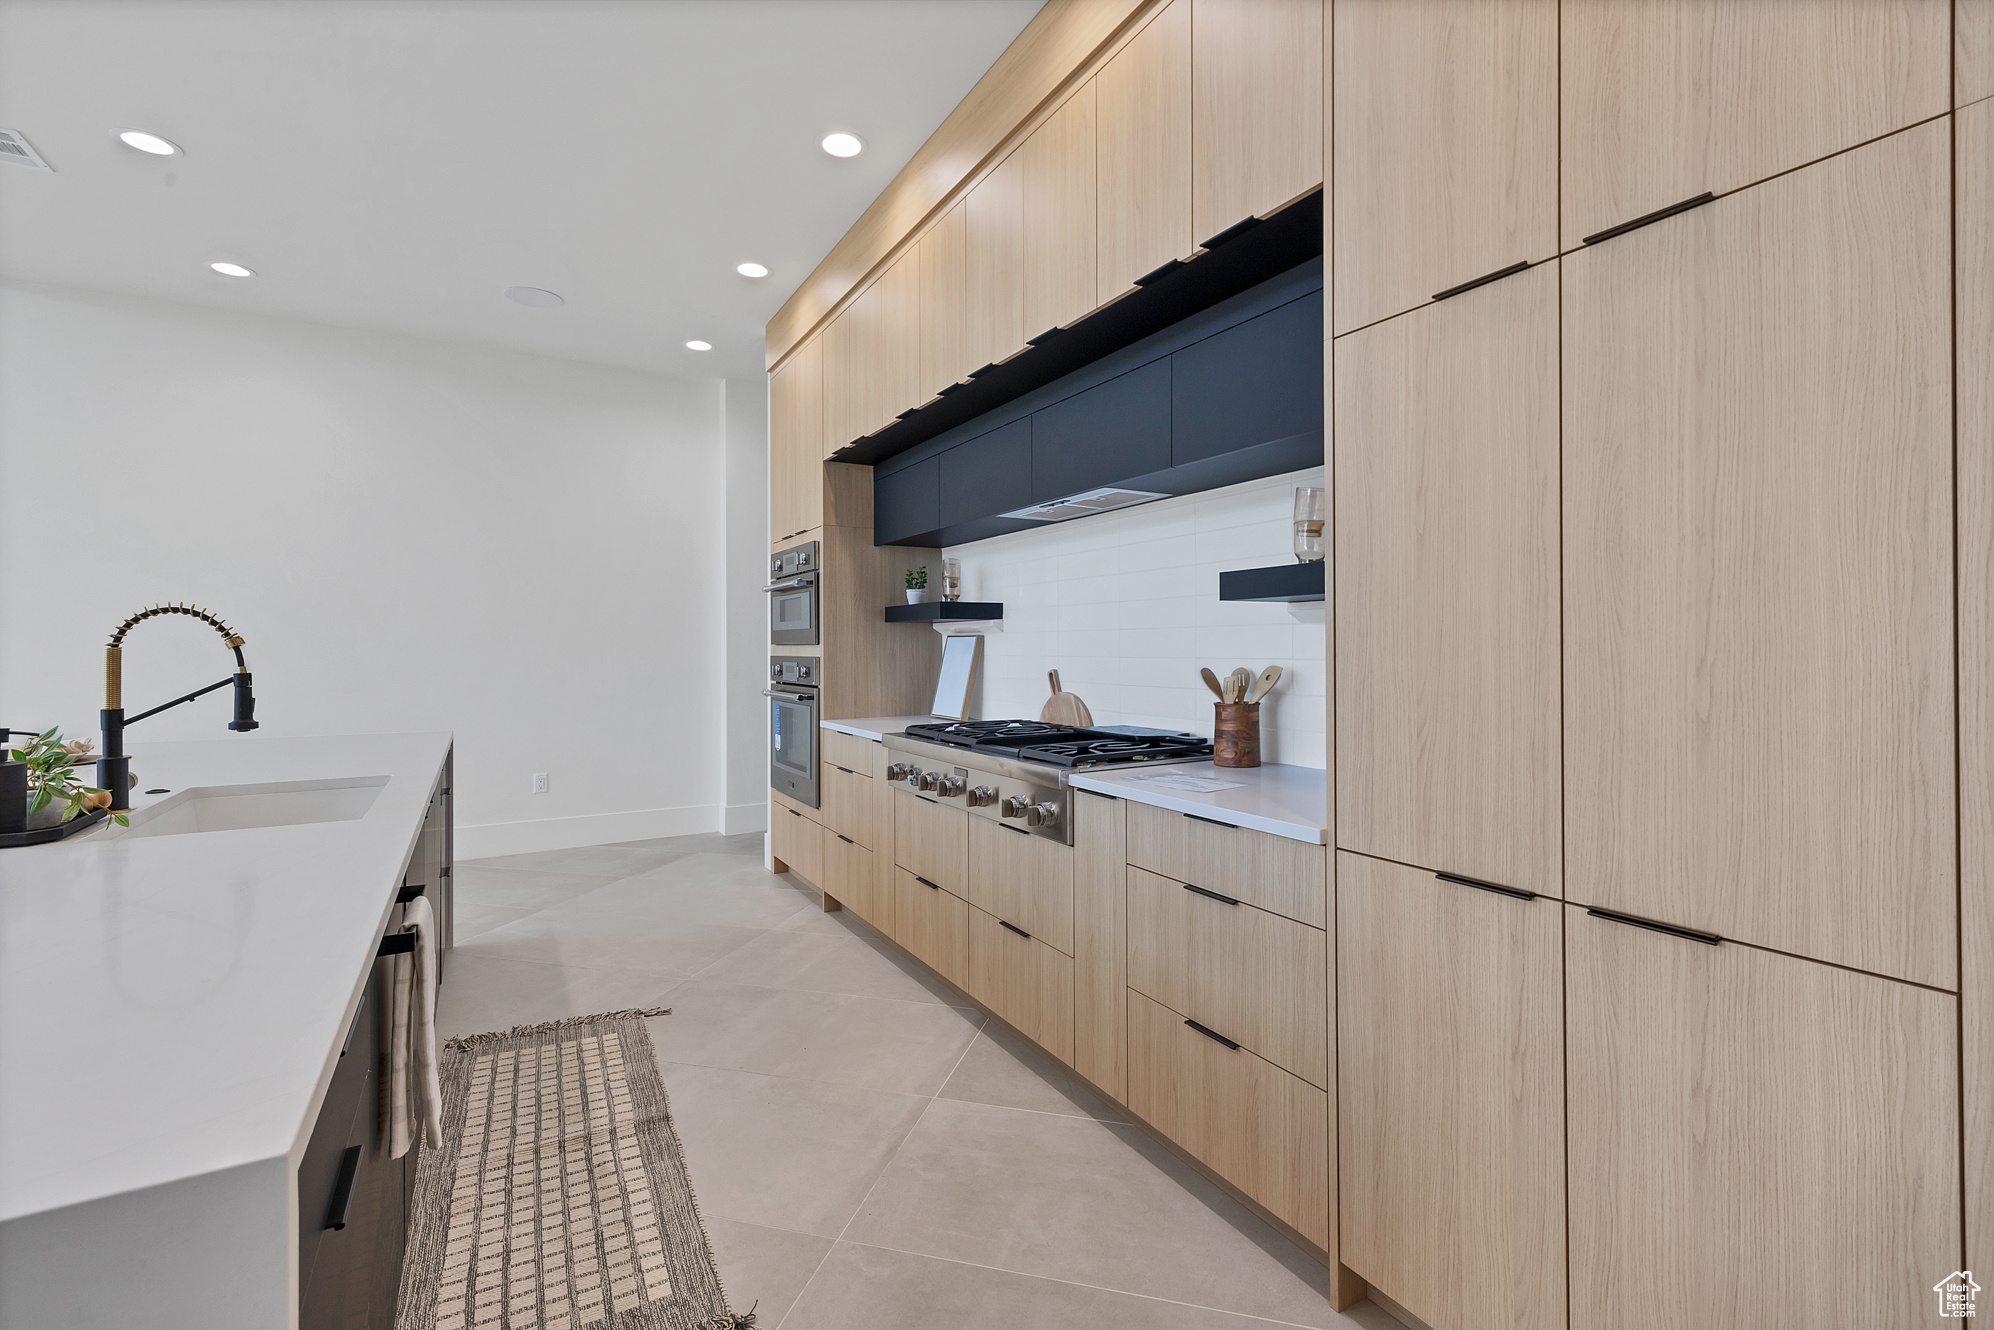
[795,669]
[796,559]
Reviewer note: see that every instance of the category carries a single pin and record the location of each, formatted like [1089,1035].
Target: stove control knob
[951,786]
[982,797]
[1041,815]
[898,771]
[775,672]
[930,780]
[1015,806]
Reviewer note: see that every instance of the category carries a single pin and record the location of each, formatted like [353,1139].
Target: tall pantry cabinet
[1645,599]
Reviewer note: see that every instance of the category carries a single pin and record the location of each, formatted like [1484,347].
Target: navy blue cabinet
[1256,383]
[989,474]
[906,503]
[1110,433]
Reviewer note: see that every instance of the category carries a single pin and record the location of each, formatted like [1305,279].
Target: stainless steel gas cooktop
[1014,772]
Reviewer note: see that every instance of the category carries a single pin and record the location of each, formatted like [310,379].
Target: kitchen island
[174,1001]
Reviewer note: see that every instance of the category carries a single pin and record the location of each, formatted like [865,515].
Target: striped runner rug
[559,1198]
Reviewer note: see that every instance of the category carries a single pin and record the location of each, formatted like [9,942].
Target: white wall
[412,535]
[1126,606]
[747,754]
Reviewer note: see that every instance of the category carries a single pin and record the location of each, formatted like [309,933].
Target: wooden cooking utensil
[1064,708]
[1265,683]
[1241,681]
[1212,682]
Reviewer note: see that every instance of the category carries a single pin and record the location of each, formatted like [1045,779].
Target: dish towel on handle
[412,1086]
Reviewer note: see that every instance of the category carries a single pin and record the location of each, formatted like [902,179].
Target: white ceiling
[396,164]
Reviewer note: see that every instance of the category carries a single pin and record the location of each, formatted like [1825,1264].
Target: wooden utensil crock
[1236,734]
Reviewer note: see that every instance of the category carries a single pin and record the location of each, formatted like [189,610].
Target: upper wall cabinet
[944,266]
[1666,99]
[995,242]
[1758,537]
[1058,169]
[1256,107]
[896,338]
[1447,689]
[1446,151]
[840,369]
[796,442]
[1143,107]
[1973,51]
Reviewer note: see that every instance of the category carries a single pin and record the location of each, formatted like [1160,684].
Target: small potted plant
[917,584]
[53,797]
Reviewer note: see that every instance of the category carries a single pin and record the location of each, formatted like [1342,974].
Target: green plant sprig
[48,761]
[917,578]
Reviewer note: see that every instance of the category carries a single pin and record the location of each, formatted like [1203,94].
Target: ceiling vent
[14,147]
[1085,504]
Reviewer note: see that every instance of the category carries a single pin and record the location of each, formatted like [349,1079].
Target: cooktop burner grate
[1062,745]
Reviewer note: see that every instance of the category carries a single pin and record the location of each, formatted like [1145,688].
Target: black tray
[43,835]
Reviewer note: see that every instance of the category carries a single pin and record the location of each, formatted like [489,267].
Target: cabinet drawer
[1024,981]
[1024,878]
[1272,872]
[1258,978]
[848,750]
[931,840]
[848,875]
[933,926]
[848,805]
[1262,1130]
[796,842]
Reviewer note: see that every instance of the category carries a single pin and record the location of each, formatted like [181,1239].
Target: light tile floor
[866,1150]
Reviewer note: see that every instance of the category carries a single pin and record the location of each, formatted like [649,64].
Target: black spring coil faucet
[114,768]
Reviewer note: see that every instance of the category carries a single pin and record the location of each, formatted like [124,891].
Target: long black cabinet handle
[931,886]
[1014,928]
[1045,336]
[1006,826]
[1647,217]
[1209,895]
[342,1190]
[1480,885]
[1212,1034]
[1212,820]
[982,370]
[1233,232]
[846,839]
[1483,280]
[409,893]
[395,944]
[1673,930]
[1159,272]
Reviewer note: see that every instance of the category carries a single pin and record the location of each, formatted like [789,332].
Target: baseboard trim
[570,833]
[743,818]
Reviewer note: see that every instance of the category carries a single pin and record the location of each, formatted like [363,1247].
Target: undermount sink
[239,807]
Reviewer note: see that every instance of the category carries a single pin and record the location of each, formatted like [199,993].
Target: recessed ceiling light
[233,270]
[534,296]
[144,142]
[751,270]
[842,144]
[696,345]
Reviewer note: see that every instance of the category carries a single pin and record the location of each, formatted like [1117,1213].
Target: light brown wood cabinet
[933,925]
[1450,1116]
[1256,108]
[848,875]
[1446,147]
[1100,940]
[841,369]
[1758,565]
[1261,1129]
[1259,979]
[1057,162]
[796,843]
[1667,99]
[931,840]
[1973,51]
[796,443]
[1754,1139]
[1271,872]
[896,372]
[1973,152]
[1143,153]
[846,800]
[1447,685]
[943,256]
[1024,878]
[1024,981]
[994,235]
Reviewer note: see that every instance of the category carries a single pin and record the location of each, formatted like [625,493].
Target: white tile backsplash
[1126,607]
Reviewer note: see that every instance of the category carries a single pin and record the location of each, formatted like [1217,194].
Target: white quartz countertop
[172,1005]
[1283,801]
[874,727]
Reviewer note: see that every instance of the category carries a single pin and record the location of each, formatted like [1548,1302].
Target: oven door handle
[793,584]
[787,697]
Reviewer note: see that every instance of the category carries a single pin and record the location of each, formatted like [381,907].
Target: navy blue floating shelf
[1290,582]
[939,611]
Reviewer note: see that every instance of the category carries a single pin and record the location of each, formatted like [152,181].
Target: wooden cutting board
[1064,708]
